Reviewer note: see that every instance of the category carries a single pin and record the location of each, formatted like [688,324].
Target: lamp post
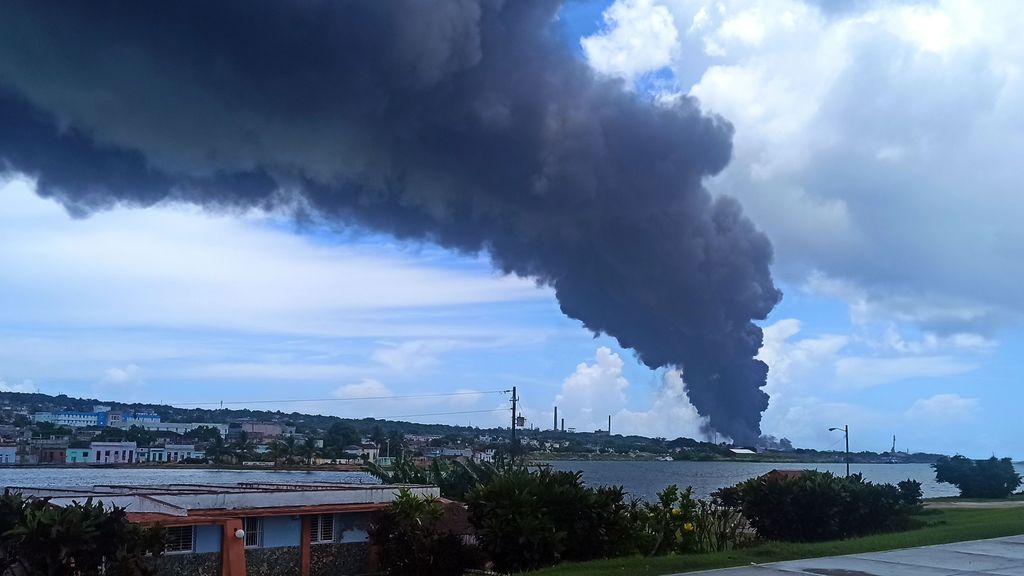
[846,434]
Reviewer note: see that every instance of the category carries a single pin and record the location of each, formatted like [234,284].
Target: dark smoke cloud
[464,123]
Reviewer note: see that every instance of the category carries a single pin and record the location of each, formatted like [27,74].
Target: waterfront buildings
[315,529]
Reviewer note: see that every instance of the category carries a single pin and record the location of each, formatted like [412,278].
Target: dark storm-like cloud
[463,123]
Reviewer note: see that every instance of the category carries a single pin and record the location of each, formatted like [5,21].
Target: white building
[69,418]
[113,452]
[180,427]
[179,452]
[8,454]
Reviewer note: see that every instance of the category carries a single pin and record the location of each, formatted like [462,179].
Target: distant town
[43,430]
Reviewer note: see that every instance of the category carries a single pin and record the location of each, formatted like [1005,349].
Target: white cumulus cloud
[640,37]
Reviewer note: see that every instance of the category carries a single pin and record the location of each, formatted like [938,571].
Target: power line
[440,413]
[336,399]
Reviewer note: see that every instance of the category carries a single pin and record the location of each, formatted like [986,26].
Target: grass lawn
[942,526]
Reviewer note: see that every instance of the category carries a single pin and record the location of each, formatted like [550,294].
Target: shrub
[816,506]
[719,528]
[37,537]
[413,542]
[992,478]
[667,525]
[526,520]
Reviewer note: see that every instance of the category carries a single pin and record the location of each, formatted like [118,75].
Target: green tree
[340,435]
[309,450]
[40,539]
[992,478]
[203,434]
[218,451]
[414,542]
[243,447]
[284,451]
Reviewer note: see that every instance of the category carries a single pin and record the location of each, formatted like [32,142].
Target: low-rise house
[364,451]
[78,455]
[53,454]
[8,454]
[152,454]
[179,452]
[484,456]
[251,528]
[113,452]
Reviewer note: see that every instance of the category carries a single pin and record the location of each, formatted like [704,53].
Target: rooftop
[195,503]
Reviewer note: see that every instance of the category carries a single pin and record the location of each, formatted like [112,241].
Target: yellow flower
[677,512]
[688,526]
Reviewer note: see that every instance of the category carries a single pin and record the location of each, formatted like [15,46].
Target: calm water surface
[647,478]
[639,478]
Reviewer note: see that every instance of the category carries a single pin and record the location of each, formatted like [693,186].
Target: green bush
[667,525]
[816,506]
[992,478]
[413,542]
[37,537]
[526,521]
[719,528]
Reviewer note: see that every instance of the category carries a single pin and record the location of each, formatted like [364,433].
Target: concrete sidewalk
[998,556]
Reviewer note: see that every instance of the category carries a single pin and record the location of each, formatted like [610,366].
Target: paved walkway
[999,556]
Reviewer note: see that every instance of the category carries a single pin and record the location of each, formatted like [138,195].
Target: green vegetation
[414,541]
[815,506]
[992,478]
[37,538]
[937,527]
[455,478]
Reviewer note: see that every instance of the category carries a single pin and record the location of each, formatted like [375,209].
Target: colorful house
[251,528]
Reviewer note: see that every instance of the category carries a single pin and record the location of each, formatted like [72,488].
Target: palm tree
[243,447]
[309,450]
[217,450]
[284,451]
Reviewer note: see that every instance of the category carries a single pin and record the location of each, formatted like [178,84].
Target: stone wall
[352,559]
[281,561]
[207,564]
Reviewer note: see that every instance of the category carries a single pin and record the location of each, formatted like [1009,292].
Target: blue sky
[876,147]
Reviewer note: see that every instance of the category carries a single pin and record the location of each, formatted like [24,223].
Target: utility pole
[512,447]
[514,400]
[846,434]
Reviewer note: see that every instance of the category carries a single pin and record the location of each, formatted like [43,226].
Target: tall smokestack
[556,419]
[563,424]
[472,125]
[609,424]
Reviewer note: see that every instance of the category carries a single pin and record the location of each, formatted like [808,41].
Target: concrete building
[78,456]
[8,454]
[71,419]
[152,454]
[258,429]
[113,452]
[365,451]
[53,454]
[250,528]
[181,427]
[179,452]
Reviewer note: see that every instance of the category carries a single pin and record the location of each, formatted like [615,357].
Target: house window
[179,539]
[253,532]
[321,528]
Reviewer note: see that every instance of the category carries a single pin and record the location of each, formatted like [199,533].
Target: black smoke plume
[467,123]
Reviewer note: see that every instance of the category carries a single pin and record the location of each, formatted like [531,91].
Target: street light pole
[846,434]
